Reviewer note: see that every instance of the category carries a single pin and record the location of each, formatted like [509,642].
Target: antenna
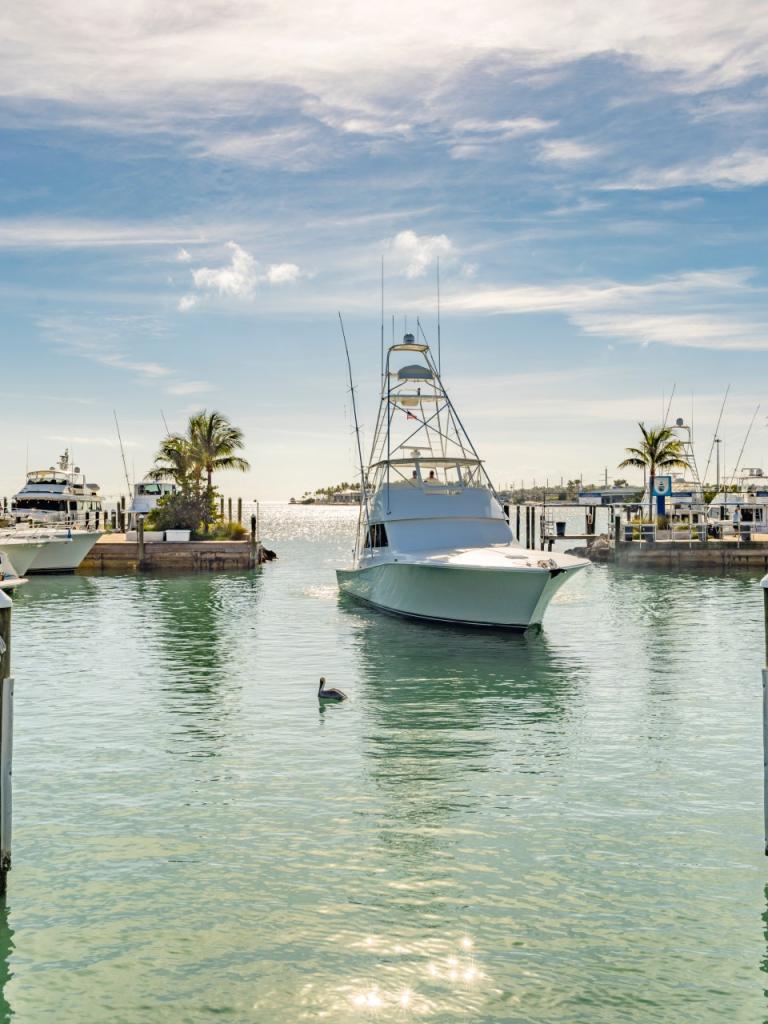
[382,321]
[122,452]
[744,445]
[715,439]
[439,363]
[669,403]
[165,424]
[363,496]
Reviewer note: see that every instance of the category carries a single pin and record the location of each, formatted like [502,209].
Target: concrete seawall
[115,553]
[718,555]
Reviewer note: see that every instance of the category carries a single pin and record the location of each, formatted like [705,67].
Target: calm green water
[565,827]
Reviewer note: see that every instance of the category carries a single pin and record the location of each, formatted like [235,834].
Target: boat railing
[694,533]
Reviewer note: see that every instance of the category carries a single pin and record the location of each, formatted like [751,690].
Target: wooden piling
[764,585]
[6,738]
[221,509]
[140,539]
[240,511]
[229,509]
[517,523]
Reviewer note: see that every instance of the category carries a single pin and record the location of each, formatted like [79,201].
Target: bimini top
[409,344]
[428,460]
[415,372]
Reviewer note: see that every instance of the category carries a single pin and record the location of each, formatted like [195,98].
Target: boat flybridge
[433,541]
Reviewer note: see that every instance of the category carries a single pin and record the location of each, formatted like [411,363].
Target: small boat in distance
[433,541]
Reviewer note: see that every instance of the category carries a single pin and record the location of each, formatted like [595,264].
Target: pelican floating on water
[331,693]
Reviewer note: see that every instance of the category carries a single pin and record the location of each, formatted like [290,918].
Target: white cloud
[743,168]
[189,387]
[723,333]
[574,296]
[38,233]
[510,128]
[104,442]
[282,273]
[417,252]
[568,151]
[119,362]
[182,256]
[133,53]
[238,279]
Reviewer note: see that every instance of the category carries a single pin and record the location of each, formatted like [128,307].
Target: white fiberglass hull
[20,553]
[64,554]
[513,598]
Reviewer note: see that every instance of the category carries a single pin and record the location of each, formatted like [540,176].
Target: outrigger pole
[122,452]
[363,497]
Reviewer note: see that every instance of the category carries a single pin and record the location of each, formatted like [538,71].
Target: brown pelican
[330,693]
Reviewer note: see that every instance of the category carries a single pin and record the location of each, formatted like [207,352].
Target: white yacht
[748,496]
[56,513]
[9,577]
[146,495]
[20,551]
[433,541]
[60,494]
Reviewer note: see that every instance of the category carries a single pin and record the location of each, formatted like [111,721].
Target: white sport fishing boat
[433,541]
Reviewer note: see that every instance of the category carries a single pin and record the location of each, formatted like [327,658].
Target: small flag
[410,416]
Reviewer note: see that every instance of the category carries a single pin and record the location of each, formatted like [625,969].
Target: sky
[190,193]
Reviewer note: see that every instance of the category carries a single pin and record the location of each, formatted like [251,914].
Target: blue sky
[189,194]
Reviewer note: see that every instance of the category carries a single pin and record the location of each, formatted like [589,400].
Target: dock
[113,553]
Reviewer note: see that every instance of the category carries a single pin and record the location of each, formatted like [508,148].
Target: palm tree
[175,459]
[213,442]
[658,449]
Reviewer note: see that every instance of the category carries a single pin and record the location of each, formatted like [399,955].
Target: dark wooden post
[764,585]
[240,511]
[140,535]
[221,509]
[229,509]
[517,523]
[6,738]
[253,541]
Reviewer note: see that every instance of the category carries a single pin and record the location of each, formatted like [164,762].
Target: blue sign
[662,489]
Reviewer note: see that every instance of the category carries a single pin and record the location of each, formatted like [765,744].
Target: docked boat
[744,501]
[146,495]
[21,551]
[9,577]
[433,541]
[60,495]
[55,513]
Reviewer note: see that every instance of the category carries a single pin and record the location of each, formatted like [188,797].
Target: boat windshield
[47,476]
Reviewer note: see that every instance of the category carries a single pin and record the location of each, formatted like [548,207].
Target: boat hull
[21,554]
[66,555]
[495,598]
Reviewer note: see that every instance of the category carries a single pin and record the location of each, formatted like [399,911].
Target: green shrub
[180,512]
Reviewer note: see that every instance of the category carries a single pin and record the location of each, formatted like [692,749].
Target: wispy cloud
[41,233]
[101,442]
[743,168]
[189,387]
[592,294]
[723,333]
[568,151]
